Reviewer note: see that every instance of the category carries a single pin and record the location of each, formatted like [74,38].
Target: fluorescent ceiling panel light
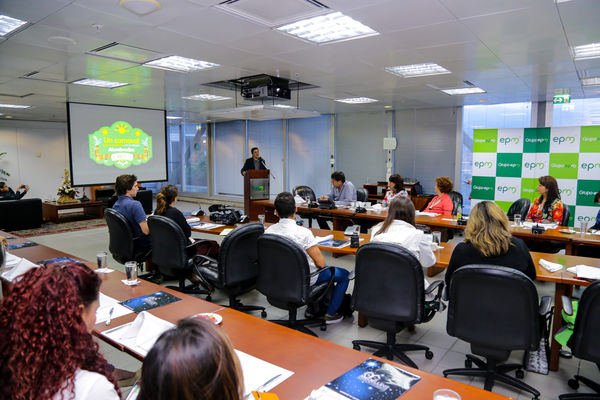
[413,70]
[586,51]
[13,106]
[206,97]
[283,106]
[594,81]
[357,100]
[328,28]
[9,24]
[172,117]
[180,64]
[463,91]
[100,83]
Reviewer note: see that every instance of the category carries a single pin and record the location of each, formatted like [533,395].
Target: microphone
[265,165]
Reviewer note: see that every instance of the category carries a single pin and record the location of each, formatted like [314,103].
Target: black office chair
[236,269]
[584,342]
[566,215]
[304,191]
[521,207]
[495,309]
[362,194]
[174,255]
[457,201]
[284,278]
[388,289]
[121,242]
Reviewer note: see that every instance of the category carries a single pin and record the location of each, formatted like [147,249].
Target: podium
[256,187]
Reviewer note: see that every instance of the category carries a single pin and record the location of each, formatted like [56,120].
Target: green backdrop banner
[508,162]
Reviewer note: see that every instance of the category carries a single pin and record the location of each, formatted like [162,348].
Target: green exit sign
[561,99]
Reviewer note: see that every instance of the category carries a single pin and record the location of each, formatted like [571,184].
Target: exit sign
[561,99]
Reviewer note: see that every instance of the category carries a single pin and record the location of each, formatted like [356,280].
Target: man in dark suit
[254,162]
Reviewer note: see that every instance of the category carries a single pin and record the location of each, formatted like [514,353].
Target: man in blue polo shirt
[126,187]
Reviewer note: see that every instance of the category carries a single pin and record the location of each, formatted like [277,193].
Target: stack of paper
[323,238]
[140,334]
[16,266]
[550,266]
[427,214]
[192,220]
[544,225]
[260,375]
[108,303]
[585,272]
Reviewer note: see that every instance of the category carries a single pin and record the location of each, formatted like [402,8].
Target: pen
[264,385]
[110,315]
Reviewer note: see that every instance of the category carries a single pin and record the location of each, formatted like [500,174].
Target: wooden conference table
[314,361]
[563,280]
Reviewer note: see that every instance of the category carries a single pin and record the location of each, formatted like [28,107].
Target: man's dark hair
[338,176]
[2,185]
[124,183]
[285,205]
[252,149]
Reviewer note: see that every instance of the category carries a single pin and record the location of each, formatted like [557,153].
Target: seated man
[285,208]
[342,191]
[6,193]
[126,187]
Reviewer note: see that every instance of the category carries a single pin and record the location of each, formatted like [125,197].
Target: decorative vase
[66,199]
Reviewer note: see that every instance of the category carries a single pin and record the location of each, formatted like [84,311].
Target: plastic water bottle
[459,212]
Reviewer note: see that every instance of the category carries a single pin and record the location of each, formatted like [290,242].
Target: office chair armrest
[567,305]
[437,285]
[205,261]
[318,271]
[328,283]
[545,305]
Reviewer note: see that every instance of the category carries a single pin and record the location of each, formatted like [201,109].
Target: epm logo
[563,139]
[586,218]
[504,189]
[507,140]
[589,166]
[483,164]
[534,165]
[566,192]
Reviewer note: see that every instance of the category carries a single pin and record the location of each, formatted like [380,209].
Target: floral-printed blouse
[554,213]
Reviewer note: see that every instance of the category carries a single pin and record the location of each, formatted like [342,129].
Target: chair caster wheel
[468,363]
[209,298]
[520,374]
[573,383]
[356,347]
[429,354]
[263,314]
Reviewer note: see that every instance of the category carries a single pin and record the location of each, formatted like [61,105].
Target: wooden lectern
[256,187]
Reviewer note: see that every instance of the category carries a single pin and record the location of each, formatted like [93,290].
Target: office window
[309,153]
[229,156]
[579,112]
[494,116]
[268,137]
[195,158]
[174,163]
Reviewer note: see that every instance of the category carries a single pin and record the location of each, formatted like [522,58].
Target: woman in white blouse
[399,228]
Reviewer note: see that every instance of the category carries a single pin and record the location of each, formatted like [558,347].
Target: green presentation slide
[120,145]
[508,162]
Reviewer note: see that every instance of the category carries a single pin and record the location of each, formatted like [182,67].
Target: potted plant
[3,173]
[66,191]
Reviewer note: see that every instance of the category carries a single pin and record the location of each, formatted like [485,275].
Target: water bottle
[354,240]
[459,212]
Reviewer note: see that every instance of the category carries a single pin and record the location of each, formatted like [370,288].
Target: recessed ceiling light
[62,40]
[328,28]
[9,24]
[206,97]
[8,116]
[387,106]
[357,100]
[209,120]
[283,106]
[463,91]
[13,106]
[586,51]
[140,7]
[593,81]
[172,117]
[99,83]
[413,70]
[180,64]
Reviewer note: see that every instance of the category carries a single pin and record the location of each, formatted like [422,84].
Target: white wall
[37,155]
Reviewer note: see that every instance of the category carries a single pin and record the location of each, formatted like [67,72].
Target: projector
[266,88]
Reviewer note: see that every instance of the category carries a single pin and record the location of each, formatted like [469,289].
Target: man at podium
[254,162]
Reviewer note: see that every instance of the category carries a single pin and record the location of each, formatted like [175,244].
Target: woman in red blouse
[442,203]
[548,207]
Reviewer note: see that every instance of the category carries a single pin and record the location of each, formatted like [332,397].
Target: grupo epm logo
[509,140]
[586,193]
[589,166]
[489,140]
[589,139]
[557,165]
[534,165]
[504,189]
[566,192]
[483,164]
[485,188]
[564,139]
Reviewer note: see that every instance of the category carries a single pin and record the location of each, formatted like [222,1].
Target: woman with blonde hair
[193,361]
[488,241]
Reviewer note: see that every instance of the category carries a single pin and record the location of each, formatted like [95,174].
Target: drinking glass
[261,218]
[517,218]
[131,271]
[583,228]
[445,394]
[101,259]
[437,237]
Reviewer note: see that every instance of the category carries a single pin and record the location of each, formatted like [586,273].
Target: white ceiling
[516,50]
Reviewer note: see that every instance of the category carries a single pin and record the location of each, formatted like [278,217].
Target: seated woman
[47,350]
[442,203]
[396,184]
[399,228]
[195,360]
[164,206]
[548,207]
[488,241]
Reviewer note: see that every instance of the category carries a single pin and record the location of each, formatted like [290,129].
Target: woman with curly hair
[442,203]
[47,350]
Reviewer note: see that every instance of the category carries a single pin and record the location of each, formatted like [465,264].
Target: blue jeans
[340,280]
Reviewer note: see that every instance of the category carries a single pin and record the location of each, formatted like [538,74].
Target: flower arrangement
[66,191]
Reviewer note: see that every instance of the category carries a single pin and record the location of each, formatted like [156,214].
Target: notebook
[149,301]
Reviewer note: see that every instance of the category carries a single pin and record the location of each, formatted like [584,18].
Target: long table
[314,361]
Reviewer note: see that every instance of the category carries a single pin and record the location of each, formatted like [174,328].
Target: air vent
[123,52]
[16,95]
[266,13]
